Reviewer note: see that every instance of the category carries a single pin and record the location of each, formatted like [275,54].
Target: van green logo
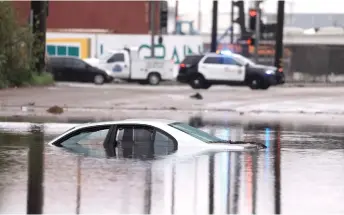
[177,55]
[160,52]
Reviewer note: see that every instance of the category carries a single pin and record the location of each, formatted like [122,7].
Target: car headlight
[270,72]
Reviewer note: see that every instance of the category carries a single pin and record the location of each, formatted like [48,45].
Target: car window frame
[68,62]
[110,143]
[202,134]
[208,57]
[80,61]
[195,59]
[236,63]
[108,60]
[174,140]
[57,62]
[71,134]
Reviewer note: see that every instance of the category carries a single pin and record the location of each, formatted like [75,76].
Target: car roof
[164,121]
[212,54]
[152,122]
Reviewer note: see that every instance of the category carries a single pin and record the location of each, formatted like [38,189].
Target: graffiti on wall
[177,54]
[89,45]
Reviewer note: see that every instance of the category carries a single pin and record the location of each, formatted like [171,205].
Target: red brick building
[123,17]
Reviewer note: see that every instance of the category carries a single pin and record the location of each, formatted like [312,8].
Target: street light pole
[214,28]
[279,35]
[232,22]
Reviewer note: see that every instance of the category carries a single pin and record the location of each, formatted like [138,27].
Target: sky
[269,6]
[188,9]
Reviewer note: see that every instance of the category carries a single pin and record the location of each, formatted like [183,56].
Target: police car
[227,68]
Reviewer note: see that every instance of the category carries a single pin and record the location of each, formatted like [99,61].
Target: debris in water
[55,110]
[36,128]
[197,96]
[23,108]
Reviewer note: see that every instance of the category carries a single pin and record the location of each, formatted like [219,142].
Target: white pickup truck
[125,64]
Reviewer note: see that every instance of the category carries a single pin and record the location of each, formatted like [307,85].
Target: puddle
[299,164]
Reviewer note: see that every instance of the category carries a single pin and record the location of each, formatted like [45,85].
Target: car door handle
[125,66]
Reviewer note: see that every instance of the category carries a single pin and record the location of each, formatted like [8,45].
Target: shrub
[18,54]
[42,79]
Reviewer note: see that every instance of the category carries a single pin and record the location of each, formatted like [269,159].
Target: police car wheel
[198,82]
[99,79]
[254,83]
[154,79]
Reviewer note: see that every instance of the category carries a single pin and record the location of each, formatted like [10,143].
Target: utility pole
[211,183]
[176,16]
[35,190]
[232,22]
[257,33]
[39,28]
[214,28]
[78,186]
[152,27]
[199,16]
[279,35]
[277,169]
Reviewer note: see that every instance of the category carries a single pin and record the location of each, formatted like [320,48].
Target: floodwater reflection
[284,178]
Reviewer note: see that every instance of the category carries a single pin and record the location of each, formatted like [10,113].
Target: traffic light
[251,41]
[252,19]
[253,14]
[241,18]
[163,16]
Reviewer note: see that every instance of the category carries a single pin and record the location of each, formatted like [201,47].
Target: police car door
[212,68]
[233,71]
[118,64]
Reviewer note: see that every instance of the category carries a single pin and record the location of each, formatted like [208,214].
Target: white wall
[176,47]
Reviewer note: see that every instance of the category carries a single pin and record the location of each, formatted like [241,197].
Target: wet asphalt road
[301,172]
[88,102]
[78,97]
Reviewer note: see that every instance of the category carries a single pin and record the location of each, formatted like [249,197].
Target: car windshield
[105,56]
[243,60]
[195,132]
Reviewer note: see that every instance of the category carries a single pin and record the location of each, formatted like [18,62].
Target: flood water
[301,172]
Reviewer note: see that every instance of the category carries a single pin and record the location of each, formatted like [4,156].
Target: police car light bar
[224,52]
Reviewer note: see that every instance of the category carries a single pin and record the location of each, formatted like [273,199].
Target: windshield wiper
[260,145]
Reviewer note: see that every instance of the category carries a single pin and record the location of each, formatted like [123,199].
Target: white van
[125,64]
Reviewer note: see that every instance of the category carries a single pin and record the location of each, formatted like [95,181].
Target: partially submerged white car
[144,138]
